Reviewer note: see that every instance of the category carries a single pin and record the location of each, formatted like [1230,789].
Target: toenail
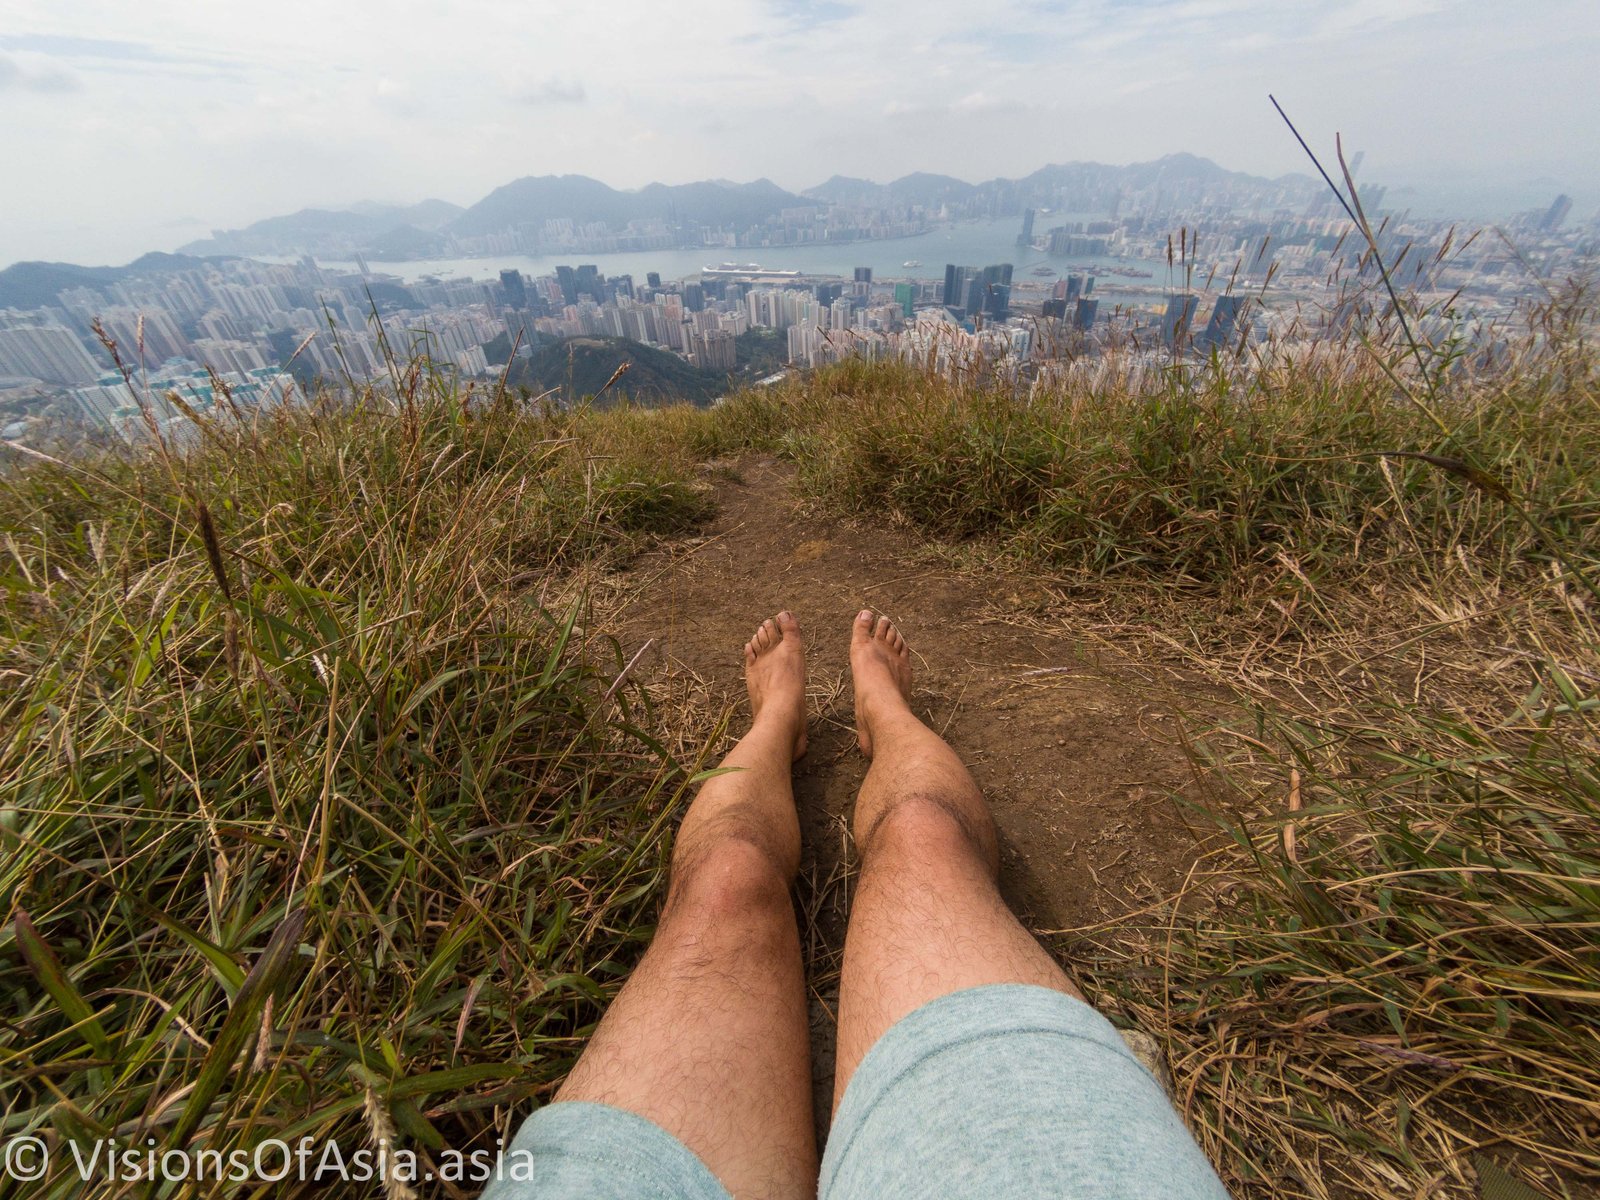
[864,615]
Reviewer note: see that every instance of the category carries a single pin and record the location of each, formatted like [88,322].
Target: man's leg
[927,918]
[708,1038]
[977,1091]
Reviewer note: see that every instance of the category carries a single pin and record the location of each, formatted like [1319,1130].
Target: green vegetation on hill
[575,368]
[761,352]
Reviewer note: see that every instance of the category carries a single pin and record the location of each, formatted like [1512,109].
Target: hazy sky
[128,127]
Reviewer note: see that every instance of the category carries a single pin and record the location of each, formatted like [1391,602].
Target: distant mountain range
[538,198]
[1087,180]
[391,232]
[387,232]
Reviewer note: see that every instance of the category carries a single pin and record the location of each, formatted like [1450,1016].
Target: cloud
[553,92]
[100,53]
[983,103]
[258,118]
[32,73]
[808,13]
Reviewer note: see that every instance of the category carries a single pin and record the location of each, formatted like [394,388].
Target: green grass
[316,819]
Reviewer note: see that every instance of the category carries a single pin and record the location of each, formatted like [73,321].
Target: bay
[966,243]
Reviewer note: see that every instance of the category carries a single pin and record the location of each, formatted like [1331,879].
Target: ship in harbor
[729,269]
[912,262]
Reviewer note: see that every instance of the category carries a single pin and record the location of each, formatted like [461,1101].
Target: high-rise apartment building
[39,349]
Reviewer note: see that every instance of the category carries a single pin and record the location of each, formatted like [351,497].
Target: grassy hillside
[326,808]
[1390,972]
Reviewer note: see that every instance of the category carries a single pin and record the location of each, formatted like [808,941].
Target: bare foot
[880,664]
[775,673]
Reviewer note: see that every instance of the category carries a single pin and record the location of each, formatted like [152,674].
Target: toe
[884,628]
[787,624]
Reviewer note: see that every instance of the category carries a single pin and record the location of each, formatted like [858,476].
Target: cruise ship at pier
[729,269]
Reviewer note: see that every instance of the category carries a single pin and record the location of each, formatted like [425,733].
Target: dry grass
[1389,976]
[325,807]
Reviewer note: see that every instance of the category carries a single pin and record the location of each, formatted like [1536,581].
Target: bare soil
[1074,745]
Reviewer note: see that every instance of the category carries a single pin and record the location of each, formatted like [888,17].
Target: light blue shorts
[1004,1092]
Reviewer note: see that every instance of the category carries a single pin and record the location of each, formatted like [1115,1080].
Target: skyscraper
[513,290]
[1178,319]
[1226,318]
[976,294]
[1025,238]
[568,279]
[863,275]
[996,281]
[1083,315]
[999,301]
[905,295]
[1557,213]
[955,286]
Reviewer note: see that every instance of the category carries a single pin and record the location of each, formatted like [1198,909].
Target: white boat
[912,263]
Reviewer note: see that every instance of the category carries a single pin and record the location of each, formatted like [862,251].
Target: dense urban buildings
[1170,272]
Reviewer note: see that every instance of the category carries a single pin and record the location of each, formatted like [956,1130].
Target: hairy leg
[927,918]
[708,1038]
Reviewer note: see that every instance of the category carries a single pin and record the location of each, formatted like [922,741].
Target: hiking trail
[1074,745]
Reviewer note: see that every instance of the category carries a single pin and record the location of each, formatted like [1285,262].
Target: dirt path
[1075,748]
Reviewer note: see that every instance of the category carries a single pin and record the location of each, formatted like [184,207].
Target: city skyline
[1255,263]
[175,120]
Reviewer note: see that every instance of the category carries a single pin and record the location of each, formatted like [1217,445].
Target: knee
[932,826]
[728,878]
